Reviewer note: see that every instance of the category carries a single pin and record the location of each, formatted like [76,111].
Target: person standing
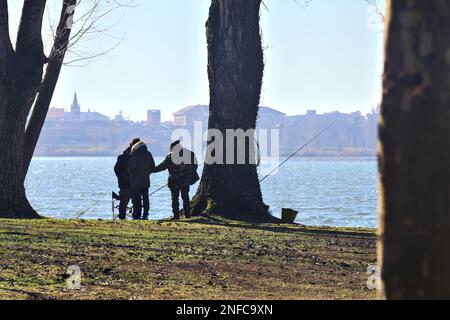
[141,166]
[123,177]
[182,165]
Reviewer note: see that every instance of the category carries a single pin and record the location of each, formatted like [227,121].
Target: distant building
[119,117]
[269,118]
[370,128]
[74,132]
[350,133]
[76,114]
[55,114]
[93,116]
[75,108]
[153,117]
[188,116]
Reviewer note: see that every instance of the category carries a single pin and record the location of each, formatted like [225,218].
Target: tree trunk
[6,54]
[13,200]
[47,89]
[235,70]
[415,152]
[20,77]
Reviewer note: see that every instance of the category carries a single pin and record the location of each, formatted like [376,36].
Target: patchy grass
[197,259]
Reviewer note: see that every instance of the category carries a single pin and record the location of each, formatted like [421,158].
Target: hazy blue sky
[322,56]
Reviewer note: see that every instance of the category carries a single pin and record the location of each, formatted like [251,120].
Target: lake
[326,191]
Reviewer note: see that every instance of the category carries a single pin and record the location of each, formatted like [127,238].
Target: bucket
[288,215]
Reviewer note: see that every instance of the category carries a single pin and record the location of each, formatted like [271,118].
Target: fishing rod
[79,215]
[300,149]
[156,191]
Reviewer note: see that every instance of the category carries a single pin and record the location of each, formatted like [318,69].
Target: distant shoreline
[283,156]
[308,153]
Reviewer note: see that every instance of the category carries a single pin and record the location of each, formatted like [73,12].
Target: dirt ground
[198,259]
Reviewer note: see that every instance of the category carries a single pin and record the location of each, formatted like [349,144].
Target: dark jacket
[180,175]
[121,169]
[141,166]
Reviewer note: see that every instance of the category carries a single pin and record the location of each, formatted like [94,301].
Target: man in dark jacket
[141,166]
[123,176]
[182,165]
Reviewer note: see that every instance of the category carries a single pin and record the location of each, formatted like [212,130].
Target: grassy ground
[199,259]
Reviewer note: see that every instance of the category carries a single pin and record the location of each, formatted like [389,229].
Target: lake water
[326,191]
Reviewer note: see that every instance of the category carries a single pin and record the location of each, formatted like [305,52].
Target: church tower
[75,109]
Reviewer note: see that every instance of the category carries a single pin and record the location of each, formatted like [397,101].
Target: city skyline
[171,118]
[87,133]
[310,64]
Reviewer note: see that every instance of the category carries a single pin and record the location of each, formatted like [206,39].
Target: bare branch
[303,4]
[48,84]
[86,59]
[374,5]
[29,36]
[265,6]
[64,42]
[62,35]
[92,24]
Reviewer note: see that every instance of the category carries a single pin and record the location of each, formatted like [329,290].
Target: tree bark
[415,152]
[235,70]
[13,200]
[20,77]
[6,54]
[5,42]
[47,89]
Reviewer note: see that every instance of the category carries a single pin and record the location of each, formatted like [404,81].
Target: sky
[324,56]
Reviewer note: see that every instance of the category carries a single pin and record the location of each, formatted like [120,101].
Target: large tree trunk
[13,200]
[6,54]
[415,152]
[235,69]
[20,77]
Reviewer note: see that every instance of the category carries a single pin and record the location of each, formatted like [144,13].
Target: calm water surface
[326,191]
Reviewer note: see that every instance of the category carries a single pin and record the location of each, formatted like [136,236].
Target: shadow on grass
[283,227]
[30,295]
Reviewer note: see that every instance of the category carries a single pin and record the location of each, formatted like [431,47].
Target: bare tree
[22,82]
[415,152]
[48,85]
[90,28]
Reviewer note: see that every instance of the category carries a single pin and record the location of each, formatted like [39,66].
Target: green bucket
[288,215]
